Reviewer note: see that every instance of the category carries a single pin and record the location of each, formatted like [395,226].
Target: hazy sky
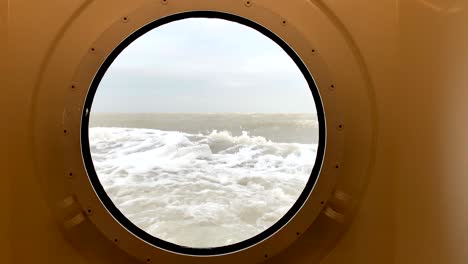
[203,65]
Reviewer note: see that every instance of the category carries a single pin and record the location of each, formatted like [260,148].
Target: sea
[203,180]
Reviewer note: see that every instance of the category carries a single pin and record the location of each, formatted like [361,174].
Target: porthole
[215,167]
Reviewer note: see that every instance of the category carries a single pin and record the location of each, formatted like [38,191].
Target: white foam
[199,190]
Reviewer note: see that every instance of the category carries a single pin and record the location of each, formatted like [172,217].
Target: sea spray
[199,190]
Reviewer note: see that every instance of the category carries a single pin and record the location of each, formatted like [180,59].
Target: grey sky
[203,65]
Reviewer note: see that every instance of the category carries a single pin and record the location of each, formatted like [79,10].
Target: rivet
[248,3]
[164,2]
[340,127]
[125,19]
[73,86]
[92,50]
[283,22]
[89,211]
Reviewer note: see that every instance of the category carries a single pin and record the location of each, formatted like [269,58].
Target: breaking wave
[199,190]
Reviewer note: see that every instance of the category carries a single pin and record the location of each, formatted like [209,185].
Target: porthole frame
[128,224]
[269,246]
[63,83]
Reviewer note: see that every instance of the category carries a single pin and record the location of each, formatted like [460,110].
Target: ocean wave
[199,190]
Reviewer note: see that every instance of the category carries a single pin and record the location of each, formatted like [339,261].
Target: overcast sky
[203,65]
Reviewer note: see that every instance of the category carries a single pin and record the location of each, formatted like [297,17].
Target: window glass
[203,132]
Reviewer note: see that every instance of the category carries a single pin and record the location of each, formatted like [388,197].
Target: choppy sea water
[203,180]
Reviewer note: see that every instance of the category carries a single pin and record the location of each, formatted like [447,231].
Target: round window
[203,133]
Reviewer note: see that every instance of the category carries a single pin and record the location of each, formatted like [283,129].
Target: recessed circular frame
[114,224]
[153,240]
[65,117]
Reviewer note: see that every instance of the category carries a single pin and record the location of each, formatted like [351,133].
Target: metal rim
[159,243]
[88,198]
